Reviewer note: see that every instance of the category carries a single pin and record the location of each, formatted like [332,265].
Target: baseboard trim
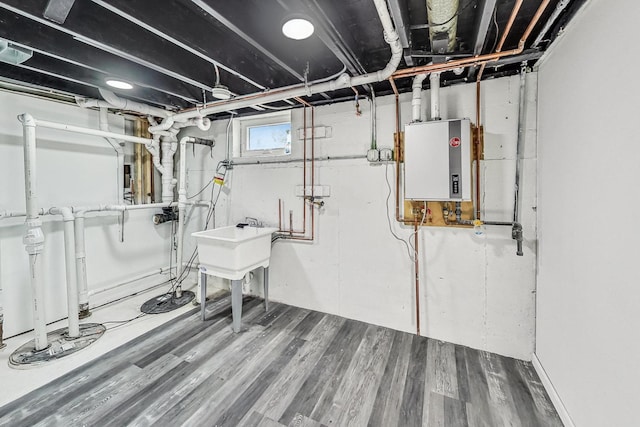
[551,391]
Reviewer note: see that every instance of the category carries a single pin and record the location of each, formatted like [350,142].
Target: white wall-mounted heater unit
[437,160]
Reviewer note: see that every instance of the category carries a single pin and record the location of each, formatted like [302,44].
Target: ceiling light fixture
[219,91]
[297,28]
[119,84]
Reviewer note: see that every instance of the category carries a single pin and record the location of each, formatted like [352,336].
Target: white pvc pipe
[34,237]
[434,79]
[182,200]
[81,264]
[114,101]
[416,101]
[104,126]
[89,131]
[344,81]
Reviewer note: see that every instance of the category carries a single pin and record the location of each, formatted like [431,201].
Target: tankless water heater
[437,160]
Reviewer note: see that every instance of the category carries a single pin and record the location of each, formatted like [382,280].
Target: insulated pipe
[434,79]
[104,126]
[416,101]
[126,104]
[70,267]
[343,81]
[34,237]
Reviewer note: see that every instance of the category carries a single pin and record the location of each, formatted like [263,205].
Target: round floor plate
[60,345]
[166,302]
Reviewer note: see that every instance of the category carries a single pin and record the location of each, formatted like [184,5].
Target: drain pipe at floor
[70,268]
[34,237]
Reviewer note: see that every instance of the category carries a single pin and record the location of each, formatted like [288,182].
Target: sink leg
[203,294]
[236,304]
[266,288]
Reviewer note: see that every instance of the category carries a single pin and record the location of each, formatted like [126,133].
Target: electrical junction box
[437,160]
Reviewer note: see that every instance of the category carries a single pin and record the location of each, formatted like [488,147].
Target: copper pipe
[397,147]
[478,59]
[507,30]
[304,169]
[417,262]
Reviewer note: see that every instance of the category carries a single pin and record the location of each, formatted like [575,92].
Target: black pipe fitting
[516,234]
[168,214]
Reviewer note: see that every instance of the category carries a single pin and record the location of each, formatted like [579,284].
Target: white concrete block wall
[588,294]
[76,170]
[474,291]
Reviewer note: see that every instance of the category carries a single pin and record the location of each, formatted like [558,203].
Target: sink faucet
[253,222]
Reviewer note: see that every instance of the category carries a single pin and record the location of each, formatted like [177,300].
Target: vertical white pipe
[70,268]
[182,201]
[168,147]
[81,265]
[416,101]
[34,237]
[72,286]
[434,79]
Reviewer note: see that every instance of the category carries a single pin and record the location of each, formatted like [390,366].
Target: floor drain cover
[60,345]
[167,302]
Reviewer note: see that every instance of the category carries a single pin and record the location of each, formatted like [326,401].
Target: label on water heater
[455,184]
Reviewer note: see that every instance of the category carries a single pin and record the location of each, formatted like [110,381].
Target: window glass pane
[269,137]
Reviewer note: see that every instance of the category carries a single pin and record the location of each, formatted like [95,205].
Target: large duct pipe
[34,237]
[443,24]
[70,268]
[434,80]
[416,101]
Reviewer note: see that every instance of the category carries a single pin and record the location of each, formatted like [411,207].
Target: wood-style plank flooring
[290,367]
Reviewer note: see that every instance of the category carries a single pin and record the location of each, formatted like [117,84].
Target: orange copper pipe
[507,30]
[477,144]
[416,261]
[397,147]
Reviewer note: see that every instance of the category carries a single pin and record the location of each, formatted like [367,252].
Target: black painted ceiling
[167,48]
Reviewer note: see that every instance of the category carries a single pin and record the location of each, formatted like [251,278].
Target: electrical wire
[495,23]
[122,322]
[386,178]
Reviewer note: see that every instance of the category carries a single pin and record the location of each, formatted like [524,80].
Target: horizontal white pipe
[88,131]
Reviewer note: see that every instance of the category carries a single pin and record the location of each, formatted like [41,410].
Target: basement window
[264,135]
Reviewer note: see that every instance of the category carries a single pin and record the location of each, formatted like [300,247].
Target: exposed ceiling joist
[175,41]
[482,30]
[400,15]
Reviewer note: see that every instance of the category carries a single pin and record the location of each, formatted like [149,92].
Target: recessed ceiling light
[297,28]
[119,84]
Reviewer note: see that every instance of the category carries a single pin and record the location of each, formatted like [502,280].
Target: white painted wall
[72,170]
[588,294]
[475,291]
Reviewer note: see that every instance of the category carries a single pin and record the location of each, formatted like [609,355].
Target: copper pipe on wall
[297,235]
[417,263]
[507,30]
[477,151]
[397,147]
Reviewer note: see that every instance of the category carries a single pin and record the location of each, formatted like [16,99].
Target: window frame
[241,126]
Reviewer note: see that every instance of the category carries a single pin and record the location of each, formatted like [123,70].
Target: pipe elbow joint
[27,120]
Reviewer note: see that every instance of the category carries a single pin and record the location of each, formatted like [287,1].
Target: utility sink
[231,252]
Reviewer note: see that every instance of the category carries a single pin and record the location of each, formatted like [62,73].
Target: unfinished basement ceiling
[167,49]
